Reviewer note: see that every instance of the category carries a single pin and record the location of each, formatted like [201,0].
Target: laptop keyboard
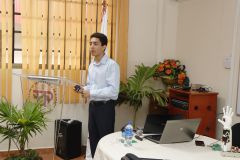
[154,137]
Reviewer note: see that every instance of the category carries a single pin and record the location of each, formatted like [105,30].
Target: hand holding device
[78,88]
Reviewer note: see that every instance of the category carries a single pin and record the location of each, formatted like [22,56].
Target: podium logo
[44,93]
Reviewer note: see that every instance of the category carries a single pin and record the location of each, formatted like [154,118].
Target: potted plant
[137,87]
[18,125]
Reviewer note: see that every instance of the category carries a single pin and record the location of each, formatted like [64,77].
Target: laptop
[175,131]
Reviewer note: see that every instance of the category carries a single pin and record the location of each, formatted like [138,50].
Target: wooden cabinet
[192,104]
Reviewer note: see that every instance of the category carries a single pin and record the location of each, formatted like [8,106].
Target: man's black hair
[103,39]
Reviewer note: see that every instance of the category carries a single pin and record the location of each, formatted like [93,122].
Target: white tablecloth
[111,148]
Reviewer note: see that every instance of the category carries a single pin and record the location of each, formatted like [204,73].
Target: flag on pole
[104,18]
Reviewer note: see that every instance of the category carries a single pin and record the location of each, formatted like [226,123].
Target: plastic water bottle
[128,132]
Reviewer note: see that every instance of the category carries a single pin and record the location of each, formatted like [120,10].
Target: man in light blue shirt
[102,89]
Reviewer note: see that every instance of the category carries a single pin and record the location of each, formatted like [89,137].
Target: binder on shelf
[180,104]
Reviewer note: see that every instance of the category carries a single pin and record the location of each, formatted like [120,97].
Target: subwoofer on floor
[68,135]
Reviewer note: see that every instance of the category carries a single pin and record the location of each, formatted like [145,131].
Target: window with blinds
[60,30]
[51,38]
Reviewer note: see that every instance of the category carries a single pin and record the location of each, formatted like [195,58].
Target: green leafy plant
[137,87]
[18,125]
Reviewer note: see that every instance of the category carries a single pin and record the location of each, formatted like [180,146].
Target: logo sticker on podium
[43,92]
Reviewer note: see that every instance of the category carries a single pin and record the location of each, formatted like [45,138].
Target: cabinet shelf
[180,98]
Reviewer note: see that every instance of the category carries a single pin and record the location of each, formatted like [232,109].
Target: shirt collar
[102,61]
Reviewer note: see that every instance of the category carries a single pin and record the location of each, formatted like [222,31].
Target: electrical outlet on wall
[227,62]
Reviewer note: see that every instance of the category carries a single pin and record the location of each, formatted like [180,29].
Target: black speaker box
[68,135]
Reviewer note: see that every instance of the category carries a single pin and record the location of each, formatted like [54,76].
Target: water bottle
[128,132]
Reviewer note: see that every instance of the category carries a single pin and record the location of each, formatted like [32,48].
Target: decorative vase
[169,82]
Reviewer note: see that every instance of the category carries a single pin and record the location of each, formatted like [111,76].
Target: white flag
[104,18]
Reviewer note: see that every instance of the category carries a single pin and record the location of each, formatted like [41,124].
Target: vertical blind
[55,39]
[6,49]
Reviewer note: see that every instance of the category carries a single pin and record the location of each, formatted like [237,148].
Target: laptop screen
[156,123]
[177,131]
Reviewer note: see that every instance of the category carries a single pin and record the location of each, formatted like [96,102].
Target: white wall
[204,39]
[142,33]
[167,29]
[152,31]
[152,37]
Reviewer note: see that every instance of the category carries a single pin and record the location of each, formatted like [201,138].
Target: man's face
[96,48]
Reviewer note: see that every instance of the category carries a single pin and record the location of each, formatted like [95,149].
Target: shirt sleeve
[87,85]
[113,81]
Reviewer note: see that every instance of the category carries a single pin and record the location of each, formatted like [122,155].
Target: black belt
[100,102]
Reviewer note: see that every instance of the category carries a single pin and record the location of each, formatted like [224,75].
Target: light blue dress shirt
[103,80]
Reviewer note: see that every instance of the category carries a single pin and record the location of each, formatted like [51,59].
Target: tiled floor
[46,154]
[51,157]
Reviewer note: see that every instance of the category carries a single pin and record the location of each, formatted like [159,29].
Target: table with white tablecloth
[110,147]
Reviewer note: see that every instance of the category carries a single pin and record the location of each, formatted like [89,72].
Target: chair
[236,135]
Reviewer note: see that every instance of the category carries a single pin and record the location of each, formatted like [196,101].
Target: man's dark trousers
[101,121]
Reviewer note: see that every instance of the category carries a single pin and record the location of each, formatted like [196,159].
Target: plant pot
[29,155]
[169,81]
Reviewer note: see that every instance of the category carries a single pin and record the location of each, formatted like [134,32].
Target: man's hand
[86,94]
[227,117]
[78,89]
